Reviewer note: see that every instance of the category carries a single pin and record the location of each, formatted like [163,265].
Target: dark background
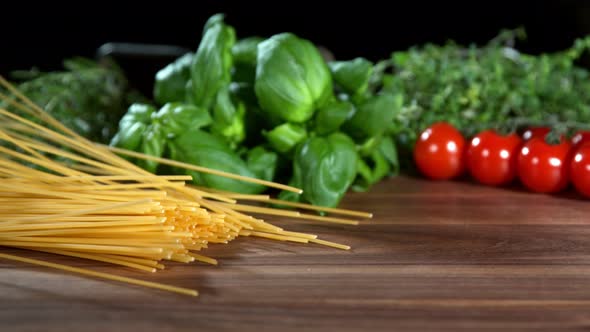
[43,34]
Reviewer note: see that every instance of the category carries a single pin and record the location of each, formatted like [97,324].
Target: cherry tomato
[439,152]
[581,137]
[539,132]
[544,167]
[532,132]
[580,169]
[491,158]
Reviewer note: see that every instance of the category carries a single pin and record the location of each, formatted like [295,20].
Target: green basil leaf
[245,50]
[132,126]
[352,76]
[292,78]
[137,113]
[228,118]
[262,162]
[213,20]
[153,144]
[382,162]
[285,137]
[244,54]
[204,149]
[177,118]
[129,139]
[327,166]
[212,63]
[365,174]
[289,195]
[389,151]
[170,82]
[329,118]
[374,116]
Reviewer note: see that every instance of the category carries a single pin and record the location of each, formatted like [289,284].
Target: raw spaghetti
[63,194]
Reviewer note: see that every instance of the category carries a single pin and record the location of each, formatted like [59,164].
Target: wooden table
[436,257]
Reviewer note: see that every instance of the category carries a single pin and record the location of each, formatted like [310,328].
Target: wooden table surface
[437,256]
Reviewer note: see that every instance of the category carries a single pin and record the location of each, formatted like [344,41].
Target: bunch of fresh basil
[267,108]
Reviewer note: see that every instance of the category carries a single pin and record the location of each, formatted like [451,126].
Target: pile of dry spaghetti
[63,194]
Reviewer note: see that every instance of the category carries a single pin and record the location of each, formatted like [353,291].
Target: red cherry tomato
[580,138]
[543,167]
[533,132]
[439,152]
[491,158]
[580,169]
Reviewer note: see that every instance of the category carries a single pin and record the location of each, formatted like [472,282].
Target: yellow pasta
[63,194]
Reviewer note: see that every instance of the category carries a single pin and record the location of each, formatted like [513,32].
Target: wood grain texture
[436,257]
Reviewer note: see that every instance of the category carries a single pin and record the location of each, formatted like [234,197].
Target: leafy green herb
[381,162]
[494,85]
[330,117]
[325,167]
[292,79]
[178,118]
[285,137]
[211,66]
[273,108]
[170,82]
[138,132]
[352,76]
[88,97]
[374,115]
[228,118]
[132,126]
[244,53]
[201,148]
[262,162]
